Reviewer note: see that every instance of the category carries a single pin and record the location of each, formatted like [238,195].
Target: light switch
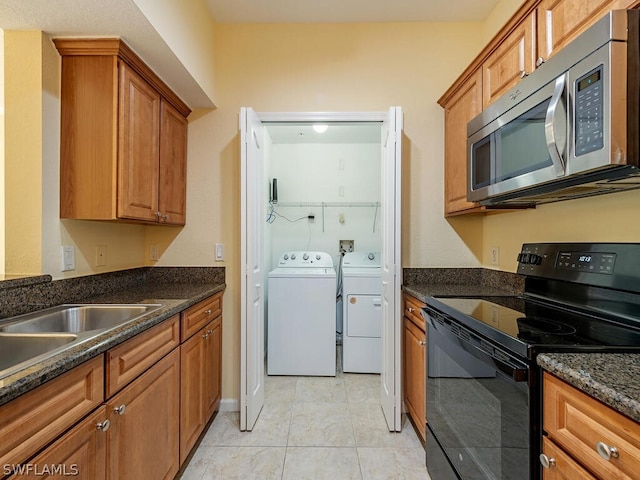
[219,252]
[68,258]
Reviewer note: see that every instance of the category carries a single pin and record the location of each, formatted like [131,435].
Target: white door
[391,268]
[252,373]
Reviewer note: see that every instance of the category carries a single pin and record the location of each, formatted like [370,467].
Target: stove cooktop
[527,327]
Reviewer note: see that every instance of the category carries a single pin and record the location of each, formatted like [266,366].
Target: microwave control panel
[588,108]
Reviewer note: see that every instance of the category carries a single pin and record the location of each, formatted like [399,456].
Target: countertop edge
[18,383]
[595,375]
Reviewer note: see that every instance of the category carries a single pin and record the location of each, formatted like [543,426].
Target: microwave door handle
[549,124]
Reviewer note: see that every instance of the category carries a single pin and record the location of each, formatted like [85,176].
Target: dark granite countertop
[611,378]
[422,283]
[174,297]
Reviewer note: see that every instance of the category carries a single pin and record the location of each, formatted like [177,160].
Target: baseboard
[229,405]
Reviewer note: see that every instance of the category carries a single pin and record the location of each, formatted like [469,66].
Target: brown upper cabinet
[537,30]
[560,21]
[465,104]
[511,61]
[123,147]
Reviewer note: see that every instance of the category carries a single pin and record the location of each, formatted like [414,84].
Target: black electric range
[483,386]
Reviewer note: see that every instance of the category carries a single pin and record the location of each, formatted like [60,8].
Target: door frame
[362,117]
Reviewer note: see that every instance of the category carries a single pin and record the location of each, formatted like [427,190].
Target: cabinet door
[562,467]
[510,62]
[213,356]
[414,374]
[560,21]
[582,425]
[463,106]
[192,415]
[173,166]
[79,454]
[143,438]
[138,148]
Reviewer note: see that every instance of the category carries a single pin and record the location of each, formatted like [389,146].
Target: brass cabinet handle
[422,343]
[120,410]
[410,309]
[103,426]
[208,312]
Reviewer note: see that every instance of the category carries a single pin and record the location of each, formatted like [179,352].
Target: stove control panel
[590,262]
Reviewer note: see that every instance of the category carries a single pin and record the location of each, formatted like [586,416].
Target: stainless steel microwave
[570,129]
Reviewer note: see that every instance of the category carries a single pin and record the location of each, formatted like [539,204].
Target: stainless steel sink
[77,318]
[18,348]
[33,337]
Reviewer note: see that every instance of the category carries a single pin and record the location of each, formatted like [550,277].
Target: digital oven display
[588,262]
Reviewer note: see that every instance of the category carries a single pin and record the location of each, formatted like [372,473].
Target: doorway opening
[319,183]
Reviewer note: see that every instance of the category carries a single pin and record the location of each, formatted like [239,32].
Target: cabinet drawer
[79,454]
[412,309]
[564,467]
[34,419]
[130,359]
[197,316]
[578,423]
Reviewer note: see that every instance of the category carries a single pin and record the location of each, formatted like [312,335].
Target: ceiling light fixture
[320,128]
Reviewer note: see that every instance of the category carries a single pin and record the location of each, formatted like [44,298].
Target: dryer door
[364,316]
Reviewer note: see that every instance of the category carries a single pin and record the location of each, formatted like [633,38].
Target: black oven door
[477,406]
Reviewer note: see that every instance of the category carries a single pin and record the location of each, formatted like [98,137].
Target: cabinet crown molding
[116,47]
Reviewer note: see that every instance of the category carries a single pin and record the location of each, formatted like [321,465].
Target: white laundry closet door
[252,374]
[390,397]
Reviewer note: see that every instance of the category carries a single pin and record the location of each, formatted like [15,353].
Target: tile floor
[311,428]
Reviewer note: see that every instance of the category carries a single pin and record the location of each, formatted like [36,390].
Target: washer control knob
[318,257]
[371,256]
[305,256]
[293,256]
[286,257]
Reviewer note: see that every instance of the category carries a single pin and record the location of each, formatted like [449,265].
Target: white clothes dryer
[362,312]
[301,315]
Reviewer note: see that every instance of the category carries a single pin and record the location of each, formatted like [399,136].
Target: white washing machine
[362,317]
[301,321]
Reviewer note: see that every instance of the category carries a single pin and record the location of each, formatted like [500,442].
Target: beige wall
[307,68]
[33,231]
[608,218]
[2,229]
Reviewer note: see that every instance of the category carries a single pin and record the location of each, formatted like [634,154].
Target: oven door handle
[519,372]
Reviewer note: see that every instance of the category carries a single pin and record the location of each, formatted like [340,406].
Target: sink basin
[16,348]
[77,318]
[33,337]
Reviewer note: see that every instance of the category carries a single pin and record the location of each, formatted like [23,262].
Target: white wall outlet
[68,258]
[495,256]
[153,252]
[101,255]
[219,252]
[341,191]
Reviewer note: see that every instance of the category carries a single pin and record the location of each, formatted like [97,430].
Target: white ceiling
[337,132]
[337,11]
[122,18]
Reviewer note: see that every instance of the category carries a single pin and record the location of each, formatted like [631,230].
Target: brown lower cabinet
[160,395]
[79,454]
[414,339]
[587,435]
[200,358]
[142,441]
